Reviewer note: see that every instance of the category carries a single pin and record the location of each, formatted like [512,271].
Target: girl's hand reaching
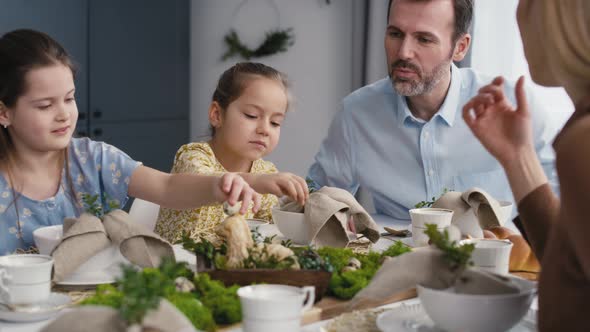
[232,188]
[281,184]
[505,131]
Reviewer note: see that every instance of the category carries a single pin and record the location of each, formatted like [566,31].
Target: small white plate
[109,275]
[37,312]
[82,277]
[413,318]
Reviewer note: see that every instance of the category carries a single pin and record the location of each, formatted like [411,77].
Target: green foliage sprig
[276,41]
[457,256]
[94,205]
[311,184]
[345,284]
[429,203]
[138,292]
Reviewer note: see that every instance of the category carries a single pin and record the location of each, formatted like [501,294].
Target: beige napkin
[474,210]
[426,266]
[87,235]
[327,212]
[105,319]
[137,243]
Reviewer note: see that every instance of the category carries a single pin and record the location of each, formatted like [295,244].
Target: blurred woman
[556,38]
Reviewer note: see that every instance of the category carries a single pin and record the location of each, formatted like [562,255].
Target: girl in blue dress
[44,172]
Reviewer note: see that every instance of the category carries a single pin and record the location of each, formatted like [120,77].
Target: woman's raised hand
[232,188]
[505,131]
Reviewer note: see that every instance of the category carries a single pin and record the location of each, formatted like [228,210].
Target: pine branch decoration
[276,41]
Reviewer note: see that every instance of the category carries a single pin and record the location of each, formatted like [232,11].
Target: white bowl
[292,225]
[505,213]
[483,313]
[46,238]
[254,223]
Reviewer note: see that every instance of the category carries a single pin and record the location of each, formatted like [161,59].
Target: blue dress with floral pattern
[95,168]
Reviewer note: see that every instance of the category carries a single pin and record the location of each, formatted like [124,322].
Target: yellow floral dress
[199,158]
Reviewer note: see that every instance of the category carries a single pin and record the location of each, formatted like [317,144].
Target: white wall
[319,64]
[499,51]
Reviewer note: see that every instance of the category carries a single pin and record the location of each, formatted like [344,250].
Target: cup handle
[309,292]
[4,294]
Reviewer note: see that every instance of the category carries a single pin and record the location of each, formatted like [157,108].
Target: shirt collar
[448,109]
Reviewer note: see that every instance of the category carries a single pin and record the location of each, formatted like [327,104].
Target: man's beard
[425,82]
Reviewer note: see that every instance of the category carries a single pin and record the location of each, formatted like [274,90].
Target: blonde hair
[566,28]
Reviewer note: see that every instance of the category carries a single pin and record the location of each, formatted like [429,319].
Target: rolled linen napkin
[137,243]
[105,319]
[327,211]
[424,265]
[82,238]
[474,210]
[427,266]
[87,235]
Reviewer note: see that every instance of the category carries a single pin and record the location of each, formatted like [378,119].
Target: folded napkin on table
[427,266]
[474,210]
[327,212]
[87,235]
[105,319]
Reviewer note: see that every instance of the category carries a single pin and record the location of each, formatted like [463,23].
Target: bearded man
[403,138]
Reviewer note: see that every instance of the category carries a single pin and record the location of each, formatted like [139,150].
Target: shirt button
[430,172]
[426,135]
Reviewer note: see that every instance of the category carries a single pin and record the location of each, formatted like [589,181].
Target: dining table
[316,326]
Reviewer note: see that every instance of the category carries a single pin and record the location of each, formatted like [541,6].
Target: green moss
[222,301]
[199,315]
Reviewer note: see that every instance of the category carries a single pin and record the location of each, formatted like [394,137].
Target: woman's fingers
[521,101]
[495,91]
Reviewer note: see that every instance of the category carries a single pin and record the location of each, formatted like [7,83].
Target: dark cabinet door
[133,56]
[143,140]
[65,21]
[139,101]
[140,55]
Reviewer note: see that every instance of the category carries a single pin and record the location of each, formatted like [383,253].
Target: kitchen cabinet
[132,87]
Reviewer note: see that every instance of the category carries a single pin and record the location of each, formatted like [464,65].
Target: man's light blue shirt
[375,142]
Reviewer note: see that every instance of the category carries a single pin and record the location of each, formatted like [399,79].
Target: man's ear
[215,114]
[4,115]
[461,47]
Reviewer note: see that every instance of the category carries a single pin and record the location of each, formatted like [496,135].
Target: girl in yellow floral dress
[246,113]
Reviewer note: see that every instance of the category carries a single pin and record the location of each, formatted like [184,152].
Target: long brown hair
[20,52]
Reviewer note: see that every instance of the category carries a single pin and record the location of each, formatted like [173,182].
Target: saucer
[36,312]
[413,318]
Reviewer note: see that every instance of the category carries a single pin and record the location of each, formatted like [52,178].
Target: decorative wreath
[276,41]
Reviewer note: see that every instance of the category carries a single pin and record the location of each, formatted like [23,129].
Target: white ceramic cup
[491,254]
[420,217]
[25,279]
[270,308]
